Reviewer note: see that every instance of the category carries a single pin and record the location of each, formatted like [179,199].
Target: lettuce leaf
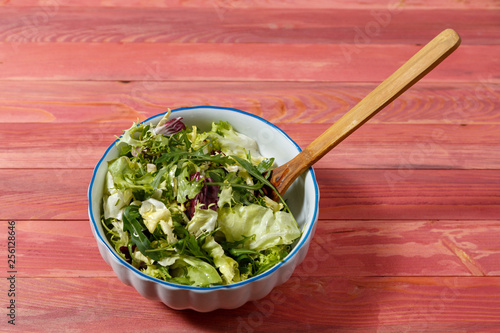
[185,270]
[155,213]
[227,266]
[191,208]
[265,227]
[203,221]
[225,197]
[198,272]
[114,200]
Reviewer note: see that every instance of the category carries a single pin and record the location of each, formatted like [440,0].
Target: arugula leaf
[197,155]
[217,175]
[156,181]
[254,171]
[132,224]
[188,244]
[265,165]
[181,169]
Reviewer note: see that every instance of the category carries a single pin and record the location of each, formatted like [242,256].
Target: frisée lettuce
[191,208]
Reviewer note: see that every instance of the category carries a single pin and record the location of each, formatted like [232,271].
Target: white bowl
[302,198]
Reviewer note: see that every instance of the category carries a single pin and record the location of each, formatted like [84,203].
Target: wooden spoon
[412,71]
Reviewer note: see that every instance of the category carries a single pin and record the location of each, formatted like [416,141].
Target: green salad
[190,207]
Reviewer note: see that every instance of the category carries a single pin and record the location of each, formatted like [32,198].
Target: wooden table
[408,237]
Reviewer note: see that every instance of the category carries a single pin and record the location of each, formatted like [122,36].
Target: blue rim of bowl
[229,286]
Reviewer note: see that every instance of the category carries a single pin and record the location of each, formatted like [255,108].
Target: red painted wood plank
[341,248]
[279,102]
[234,62]
[225,6]
[43,194]
[245,25]
[405,193]
[374,146]
[405,248]
[400,194]
[406,220]
[57,249]
[342,304]
[405,146]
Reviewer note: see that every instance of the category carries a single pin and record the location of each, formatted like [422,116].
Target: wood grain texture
[104,102]
[419,65]
[340,248]
[233,62]
[405,193]
[356,304]
[305,4]
[51,248]
[401,194]
[244,25]
[374,146]
[56,194]
[409,212]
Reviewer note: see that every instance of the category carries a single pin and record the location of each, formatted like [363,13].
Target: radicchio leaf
[208,195]
[171,127]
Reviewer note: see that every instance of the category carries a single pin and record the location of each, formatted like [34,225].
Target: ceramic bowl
[302,197]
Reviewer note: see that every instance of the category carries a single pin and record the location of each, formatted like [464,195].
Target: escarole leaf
[131,217]
[270,257]
[231,142]
[193,207]
[127,174]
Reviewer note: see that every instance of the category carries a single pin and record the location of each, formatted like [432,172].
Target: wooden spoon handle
[412,71]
